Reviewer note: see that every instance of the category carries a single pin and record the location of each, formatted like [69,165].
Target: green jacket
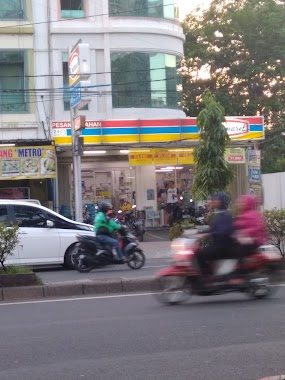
[104,225]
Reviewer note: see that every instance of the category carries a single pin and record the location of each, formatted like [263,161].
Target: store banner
[235,155]
[27,162]
[141,157]
[164,157]
[254,158]
[185,157]
[254,174]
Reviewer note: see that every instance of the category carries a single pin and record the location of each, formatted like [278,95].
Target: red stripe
[119,123]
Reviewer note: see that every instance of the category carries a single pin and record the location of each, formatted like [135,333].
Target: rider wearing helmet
[105,227]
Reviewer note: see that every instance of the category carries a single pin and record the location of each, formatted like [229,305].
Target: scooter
[135,224]
[256,275]
[91,253]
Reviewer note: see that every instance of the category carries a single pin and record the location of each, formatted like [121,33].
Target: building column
[146,187]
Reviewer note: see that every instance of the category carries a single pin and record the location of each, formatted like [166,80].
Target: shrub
[275,220]
[175,231]
[8,242]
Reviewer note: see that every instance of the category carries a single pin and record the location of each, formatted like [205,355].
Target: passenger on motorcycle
[250,226]
[221,231]
[105,227]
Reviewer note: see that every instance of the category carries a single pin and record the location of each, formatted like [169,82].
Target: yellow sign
[141,157]
[185,157]
[164,157]
[235,155]
[27,162]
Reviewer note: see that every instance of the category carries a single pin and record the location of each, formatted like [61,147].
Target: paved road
[114,271]
[134,338]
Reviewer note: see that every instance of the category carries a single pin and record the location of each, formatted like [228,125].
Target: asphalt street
[113,271]
[134,338]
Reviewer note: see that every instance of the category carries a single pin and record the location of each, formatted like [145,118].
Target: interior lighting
[124,151]
[90,152]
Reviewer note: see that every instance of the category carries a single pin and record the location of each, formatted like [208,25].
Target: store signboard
[254,157]
[235,155]
[185,157]
[27,162]
[254,174]
[141,157]
[164,157]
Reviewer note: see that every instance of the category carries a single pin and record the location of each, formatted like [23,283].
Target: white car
[45,237]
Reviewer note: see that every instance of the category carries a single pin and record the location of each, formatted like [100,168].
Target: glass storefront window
[145,80]
[143,8]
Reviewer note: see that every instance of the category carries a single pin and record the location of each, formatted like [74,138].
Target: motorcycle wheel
[141,238]
[81,264]
[264,284]
[136,259]
[172,290]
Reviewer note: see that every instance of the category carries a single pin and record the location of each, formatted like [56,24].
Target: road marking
[74,299]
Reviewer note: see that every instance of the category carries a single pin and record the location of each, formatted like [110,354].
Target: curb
[86,287]
[73,289]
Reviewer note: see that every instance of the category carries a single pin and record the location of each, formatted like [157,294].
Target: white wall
[273,190]
[145,179]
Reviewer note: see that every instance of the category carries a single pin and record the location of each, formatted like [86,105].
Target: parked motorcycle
[254,275]
[135,225]
[91,253]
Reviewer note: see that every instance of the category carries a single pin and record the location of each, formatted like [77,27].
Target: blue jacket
[221,226]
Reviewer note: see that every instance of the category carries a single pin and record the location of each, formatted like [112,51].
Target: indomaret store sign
[154,131]
[27,162]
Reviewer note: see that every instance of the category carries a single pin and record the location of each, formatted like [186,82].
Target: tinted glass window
[29,216]
[4,215]
[60,223]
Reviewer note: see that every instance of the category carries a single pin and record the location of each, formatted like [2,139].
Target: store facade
[131,161]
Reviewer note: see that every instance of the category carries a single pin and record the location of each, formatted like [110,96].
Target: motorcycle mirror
[134,206]
[120,211]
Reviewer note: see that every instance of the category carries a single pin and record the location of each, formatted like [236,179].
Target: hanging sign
[235,155]
[141,157]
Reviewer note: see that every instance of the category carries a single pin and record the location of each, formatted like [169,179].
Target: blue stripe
[191,129]
[119,131]
[256,128]
[91,132]
[158,130]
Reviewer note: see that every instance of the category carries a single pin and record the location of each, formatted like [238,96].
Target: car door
[5,219]
[38,243]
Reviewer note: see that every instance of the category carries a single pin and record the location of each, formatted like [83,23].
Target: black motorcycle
[135,225]
[91,253]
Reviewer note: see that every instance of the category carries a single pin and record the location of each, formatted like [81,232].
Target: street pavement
[134,338]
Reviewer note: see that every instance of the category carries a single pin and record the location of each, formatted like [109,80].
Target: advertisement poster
[235,155]
[254,174]
[27,162]
[254,157]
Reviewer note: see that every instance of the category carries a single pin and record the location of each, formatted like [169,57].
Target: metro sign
[236,127]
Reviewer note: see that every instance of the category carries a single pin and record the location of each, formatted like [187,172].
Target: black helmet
[105,206]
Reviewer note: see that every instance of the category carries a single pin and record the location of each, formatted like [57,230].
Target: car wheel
[69,256]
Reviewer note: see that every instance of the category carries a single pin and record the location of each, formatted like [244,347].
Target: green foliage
[175,231]
[8,242]
[273,151]
[276,226]
[15,269]
[240,44]
[212,173]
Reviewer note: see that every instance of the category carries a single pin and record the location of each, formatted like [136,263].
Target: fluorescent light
[95,152]
[7,145]
[174,167]
[164,170]
[131,177]
[124,151]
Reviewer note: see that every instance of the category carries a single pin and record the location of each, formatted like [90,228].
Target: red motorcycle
[255,275]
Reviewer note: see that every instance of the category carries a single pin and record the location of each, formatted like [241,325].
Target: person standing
[172,199]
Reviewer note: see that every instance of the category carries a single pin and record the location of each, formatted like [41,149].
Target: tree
[240,45]
[213,173]
[273,151]
[8,241]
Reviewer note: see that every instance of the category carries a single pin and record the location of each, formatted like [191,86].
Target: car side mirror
[50,224]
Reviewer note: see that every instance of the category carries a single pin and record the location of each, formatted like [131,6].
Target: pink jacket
[250,222]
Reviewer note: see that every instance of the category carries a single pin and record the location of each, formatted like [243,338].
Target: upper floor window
[72,8]
[145,80]
[11,9]
[143,8]
[12,81]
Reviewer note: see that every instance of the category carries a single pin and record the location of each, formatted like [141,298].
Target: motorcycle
[135,225]
[254,275]
[91,253]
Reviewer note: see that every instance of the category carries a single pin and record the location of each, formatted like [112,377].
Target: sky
[186,6]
